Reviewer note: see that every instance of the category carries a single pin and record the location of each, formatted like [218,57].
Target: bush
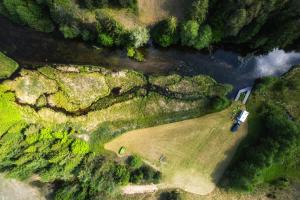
[130,52]
[69,31]
[105,40]
[138,56]
[80,147]
[91,4]
[165,33]
[134,161]
[173,195]
[129,4]
[110,28]
[139,36]
[189,33]
[121,174]
[199,10]
[204,37]
[219,103]
[29,13]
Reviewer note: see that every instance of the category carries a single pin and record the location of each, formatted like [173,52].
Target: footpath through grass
[191,154]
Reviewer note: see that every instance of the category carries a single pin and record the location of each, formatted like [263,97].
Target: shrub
[134,161]
[139,36]
[219,103]
[129,4]
[199,10]
[204,37]
[80,147]
[69,31]
[138,56]
[91,4]
[130,52]
[189,33]
[105,40]
[121,174]
[165,33]
[29,13]
[136,176]
[173,195]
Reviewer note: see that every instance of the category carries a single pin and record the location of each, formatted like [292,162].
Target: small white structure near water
[247,92]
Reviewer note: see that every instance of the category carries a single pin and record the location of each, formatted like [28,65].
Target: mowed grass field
[196,152]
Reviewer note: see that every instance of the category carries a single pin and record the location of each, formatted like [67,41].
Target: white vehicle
[241,118]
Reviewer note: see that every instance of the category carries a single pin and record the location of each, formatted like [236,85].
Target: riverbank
[30,48]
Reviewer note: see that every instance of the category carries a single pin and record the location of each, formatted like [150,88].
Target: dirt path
[139,189]
[11,189]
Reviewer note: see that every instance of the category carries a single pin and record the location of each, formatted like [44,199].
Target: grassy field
[195,152]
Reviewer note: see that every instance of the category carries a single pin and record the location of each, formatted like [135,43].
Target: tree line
[264,24]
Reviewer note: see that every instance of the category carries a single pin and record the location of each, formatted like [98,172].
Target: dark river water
[29,47]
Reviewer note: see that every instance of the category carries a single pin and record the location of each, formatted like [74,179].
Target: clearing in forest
[191,154]
[150,12]
[153,11]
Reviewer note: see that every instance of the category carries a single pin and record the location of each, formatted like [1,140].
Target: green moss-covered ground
[7,66]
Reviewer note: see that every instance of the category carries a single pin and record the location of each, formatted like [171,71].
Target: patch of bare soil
[11,189]
[139,189]
[152,11]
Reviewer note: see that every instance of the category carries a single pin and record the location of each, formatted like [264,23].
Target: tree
[121,174]
[91,4]
[236,22]
[134,161]
[199,10]
[69,31]
[139,36]
[165,33]
[80,147]
[172,195]
[29,13]
[129,4]
[204,38]
[105,40]
[189,33]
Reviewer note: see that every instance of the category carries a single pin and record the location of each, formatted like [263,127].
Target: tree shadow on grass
[218,176]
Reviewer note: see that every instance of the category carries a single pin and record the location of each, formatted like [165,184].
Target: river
[29,47]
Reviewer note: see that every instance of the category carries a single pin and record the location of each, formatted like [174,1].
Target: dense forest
[263,25]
